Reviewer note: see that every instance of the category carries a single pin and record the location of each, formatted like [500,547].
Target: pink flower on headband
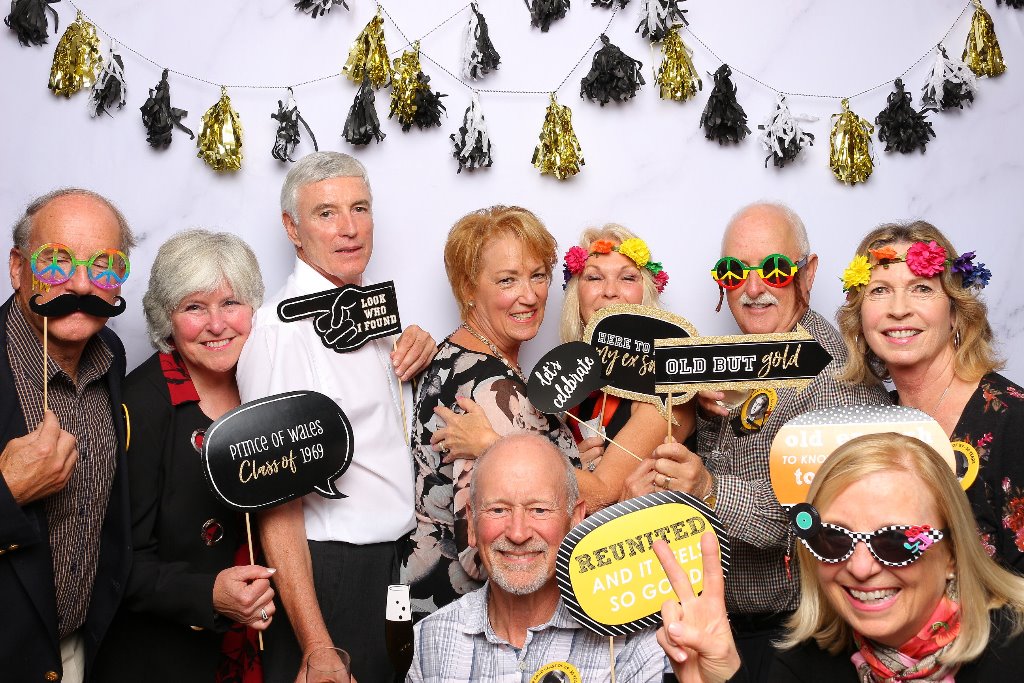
[926,259]
[660,280]
[576,259]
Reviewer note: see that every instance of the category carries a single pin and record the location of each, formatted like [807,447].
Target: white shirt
[280,357]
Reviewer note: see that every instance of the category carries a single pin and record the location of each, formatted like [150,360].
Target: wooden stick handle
[252,560]
[597,432]
[46,382]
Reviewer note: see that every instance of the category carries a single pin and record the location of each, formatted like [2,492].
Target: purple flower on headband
[963,263]
[973,274]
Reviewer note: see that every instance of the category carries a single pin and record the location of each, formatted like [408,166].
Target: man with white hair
[766,272]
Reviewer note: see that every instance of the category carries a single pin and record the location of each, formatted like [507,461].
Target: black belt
[753,623]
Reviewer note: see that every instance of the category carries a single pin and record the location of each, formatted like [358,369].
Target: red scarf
[918,658]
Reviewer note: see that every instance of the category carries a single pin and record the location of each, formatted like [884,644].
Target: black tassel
[657,18]
[428,105]
[950,83]
[318,8]
[901,127]
[480,56]
[723,118]
[614,75]
[472,145]
[362,124]
[159,117]
[608,3]
[109,89]
[288,136]
[543,12]
[1015,4]
[28,20]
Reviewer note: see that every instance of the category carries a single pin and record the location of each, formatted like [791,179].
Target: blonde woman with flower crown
[913,316]
[611,265]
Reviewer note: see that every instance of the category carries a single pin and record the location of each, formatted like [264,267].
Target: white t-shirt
[280,357]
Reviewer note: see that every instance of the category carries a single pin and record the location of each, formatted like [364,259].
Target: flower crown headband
[925,259]
[634,248]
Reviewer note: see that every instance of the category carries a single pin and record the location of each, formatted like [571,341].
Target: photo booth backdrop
[648,165]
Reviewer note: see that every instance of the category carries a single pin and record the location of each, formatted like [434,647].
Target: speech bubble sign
[347,317]
[738,362]
[803,444]
[274,449]
[564,377]
[609,577]
[623,335]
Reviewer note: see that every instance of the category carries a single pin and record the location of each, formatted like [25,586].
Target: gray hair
[796,225]
[198,261]
[22,230]
[313,168]
[571,487]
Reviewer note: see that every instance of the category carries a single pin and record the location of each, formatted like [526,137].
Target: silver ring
[592,465]
[263,614]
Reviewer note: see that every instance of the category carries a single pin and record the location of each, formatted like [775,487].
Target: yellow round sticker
[557,672]
[967,463]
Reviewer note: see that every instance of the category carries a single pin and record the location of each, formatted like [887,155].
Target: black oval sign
[564,377]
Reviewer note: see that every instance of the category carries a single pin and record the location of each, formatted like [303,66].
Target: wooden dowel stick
[611,657]
[252,560]
[46,383]
[604,436]
[668,415]
[604,402]
[401,402]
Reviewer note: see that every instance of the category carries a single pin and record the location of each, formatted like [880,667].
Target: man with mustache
[730,468]
[524,499]
[64,522]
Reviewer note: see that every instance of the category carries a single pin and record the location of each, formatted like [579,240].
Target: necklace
[943,396]
[514,367]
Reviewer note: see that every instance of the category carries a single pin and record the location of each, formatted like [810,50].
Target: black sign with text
[564,377]
[347,317]
[275,449]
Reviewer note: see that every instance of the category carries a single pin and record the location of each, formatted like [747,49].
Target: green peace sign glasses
[776,270]
[55,263]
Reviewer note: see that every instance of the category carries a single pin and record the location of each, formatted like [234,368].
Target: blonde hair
[972,359]
[473,232]
[571,326]
[983,584]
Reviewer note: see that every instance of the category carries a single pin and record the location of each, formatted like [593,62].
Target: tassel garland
[472,144]
[369,55]
[77,59]
[982,53]
[901,127]
[543,12]
[614,75]
[949,84]
[783,138]
[362,124]
[109,89]
[318,8]
[28,20]
[160,118]
[622,3]
[478,56]
[412,100]
[677,78]
[288,137]
[559,153]
[850,146]
[220,137]
[724,119]
[657,18]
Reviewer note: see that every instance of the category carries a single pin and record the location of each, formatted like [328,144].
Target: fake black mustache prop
[66,304]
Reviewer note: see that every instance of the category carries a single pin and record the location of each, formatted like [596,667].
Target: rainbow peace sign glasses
[893,546]
[776,270]
[55,264]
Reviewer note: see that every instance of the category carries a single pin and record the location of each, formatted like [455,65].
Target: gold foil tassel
[220,138]
[677,77]
[982,53]
[850,143]
[369,55]
[405,82]
[77,59]
[559,153]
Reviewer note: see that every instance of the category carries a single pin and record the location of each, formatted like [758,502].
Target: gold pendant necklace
[514,367]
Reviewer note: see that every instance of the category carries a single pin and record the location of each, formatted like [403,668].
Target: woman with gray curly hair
[191,590]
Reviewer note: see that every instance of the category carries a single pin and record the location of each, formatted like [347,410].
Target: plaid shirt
[456,643]
[758,527]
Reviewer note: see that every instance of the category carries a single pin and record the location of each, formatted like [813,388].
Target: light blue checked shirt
[457,644]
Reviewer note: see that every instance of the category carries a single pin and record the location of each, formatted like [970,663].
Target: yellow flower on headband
[857,273]
[636,249]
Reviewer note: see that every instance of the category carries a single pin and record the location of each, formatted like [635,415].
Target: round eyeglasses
[776,270]
[55,264]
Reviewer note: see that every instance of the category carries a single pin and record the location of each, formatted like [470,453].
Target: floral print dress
[438,564]
[993,423]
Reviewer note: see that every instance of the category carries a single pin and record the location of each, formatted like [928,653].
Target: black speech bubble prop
[347,317]
[275,449]
[623,335]
[742,362]
[564,377]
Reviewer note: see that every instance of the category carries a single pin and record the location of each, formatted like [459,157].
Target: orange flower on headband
[601,247]
[886,253]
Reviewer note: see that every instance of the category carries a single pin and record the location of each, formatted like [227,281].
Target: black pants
[351,583]
[754,634]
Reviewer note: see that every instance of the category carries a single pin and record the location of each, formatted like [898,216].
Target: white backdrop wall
[648,165]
